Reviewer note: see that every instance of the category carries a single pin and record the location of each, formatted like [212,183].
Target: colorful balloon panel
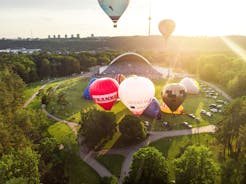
[173,95]
[153,110]
[86,93]
[114,8]
[166,27]
[104,92]
[136,93]
[119,78]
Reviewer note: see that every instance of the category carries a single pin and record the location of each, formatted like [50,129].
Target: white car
[214,110]
[209,114]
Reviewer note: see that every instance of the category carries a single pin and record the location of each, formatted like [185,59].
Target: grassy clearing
[112,162]
[80,173]
[31,89]
[62,133]
[173,147]
[77,170]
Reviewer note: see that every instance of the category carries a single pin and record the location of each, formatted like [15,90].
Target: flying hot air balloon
[166,27]
[114,8]
[173,95]
[136,93]
[104,92]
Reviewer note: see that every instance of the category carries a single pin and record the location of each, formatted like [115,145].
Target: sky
[40,18]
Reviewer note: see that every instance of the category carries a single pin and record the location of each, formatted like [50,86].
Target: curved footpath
[154,136]
[35,94]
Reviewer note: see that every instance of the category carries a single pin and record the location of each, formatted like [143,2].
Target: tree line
[35,67]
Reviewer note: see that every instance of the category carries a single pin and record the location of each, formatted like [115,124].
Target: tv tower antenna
[149,16]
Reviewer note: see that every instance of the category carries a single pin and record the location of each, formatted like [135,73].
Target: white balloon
[190,85]
[136,93]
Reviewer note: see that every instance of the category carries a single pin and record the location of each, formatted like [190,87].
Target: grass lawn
[31,89]
[112,162]
[174,147]
[80,173]
[62,133]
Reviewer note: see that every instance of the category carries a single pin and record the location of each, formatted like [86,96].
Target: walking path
[154,136]
[35,94]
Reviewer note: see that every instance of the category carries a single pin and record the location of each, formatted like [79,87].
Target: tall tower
[149,17]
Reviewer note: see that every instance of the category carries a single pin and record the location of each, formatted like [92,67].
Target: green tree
[196,166]
[97,125]
[20,164]
[132,129]
[148,166]
[228,133]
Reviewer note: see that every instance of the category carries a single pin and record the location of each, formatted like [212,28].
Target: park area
[73,88]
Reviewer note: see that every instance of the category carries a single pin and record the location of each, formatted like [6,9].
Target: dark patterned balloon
[173,95]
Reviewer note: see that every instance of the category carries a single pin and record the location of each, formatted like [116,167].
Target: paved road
[218,90]
[154,136]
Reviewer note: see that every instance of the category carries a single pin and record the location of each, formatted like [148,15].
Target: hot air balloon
[191,85]
[114,8]
[119,78]
[136,93]
[86,94]
[166,27]
[153,110]
[104,92]
[173,95]
[165,109]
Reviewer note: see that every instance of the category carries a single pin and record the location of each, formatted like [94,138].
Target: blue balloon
[86,93]
[153,110]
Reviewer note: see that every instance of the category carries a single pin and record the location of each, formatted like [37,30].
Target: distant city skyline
[38,19]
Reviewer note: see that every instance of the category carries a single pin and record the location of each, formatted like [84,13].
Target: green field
[174,147]
[112,162]
[74,89]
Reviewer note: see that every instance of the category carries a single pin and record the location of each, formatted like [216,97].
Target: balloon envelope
[192,87]
[119,78]
[153,110]
[86,93]
[136,93]
[166,27]
[104,92]
[114,8]
[173,95]
[165,109]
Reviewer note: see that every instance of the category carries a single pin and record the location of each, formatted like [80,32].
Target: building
[130,63]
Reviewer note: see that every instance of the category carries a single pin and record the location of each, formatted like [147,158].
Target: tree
[20,164]
[233,172]
[109,180]
[132,129]
[97,125]
[148,166]
[228,133]
[195,166]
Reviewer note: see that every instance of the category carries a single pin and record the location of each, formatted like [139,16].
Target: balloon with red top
[104,92]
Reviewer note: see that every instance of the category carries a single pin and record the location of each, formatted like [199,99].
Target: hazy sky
[39,18]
